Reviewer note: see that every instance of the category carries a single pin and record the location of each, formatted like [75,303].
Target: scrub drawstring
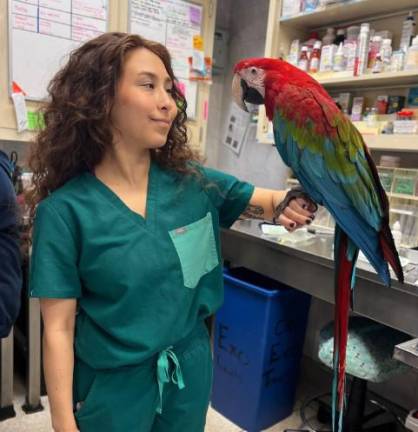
[163,373]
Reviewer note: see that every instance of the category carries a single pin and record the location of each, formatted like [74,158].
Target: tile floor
[39,422]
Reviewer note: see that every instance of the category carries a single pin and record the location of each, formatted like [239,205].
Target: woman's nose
[165,100]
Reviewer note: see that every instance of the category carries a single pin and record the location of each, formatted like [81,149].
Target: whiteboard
[173,23]
[42,33]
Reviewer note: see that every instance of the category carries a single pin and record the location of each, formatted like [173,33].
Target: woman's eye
[147,85]
[170,90]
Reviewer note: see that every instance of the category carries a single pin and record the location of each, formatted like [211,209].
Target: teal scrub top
[142,284]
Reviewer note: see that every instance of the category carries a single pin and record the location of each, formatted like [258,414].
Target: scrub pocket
[196,247]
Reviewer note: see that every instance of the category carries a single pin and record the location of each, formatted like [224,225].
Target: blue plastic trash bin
[258,345]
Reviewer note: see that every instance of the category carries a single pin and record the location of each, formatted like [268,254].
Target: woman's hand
[295,210]
[292,209]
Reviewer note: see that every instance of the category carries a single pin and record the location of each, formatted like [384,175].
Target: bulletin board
[173,23]
[43,32]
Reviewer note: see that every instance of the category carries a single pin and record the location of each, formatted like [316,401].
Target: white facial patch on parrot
[254,80]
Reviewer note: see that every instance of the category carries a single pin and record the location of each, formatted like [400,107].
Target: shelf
[384,142]
[349,11]
[344,80]
[392,142]
[402,196]
[8,134]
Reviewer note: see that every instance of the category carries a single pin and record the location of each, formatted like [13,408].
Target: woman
[126,244]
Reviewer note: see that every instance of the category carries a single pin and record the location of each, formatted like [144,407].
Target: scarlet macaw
[332,163]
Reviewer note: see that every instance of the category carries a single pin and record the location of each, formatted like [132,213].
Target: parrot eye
[253,70]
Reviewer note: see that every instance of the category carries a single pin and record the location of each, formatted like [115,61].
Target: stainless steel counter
[308,266]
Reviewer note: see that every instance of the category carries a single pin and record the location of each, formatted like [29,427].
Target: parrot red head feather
[255,80]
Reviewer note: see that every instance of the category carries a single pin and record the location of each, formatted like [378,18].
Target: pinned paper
[236,129]
[19,103]
[181,86]
[205,110]
[198,43]
[36,121]
[195,15]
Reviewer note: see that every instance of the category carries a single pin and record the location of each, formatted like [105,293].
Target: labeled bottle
[372,117]
[315,57]
[362,55]
[329,37]
[340,37]
[386,53]
[397,234]
[294,52]
[408,32]
[303,59]
[339,59]
[378,64]
[374,49]
[411,61]
[350,46]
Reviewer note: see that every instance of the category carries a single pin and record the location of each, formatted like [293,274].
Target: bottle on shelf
[374,49]
[327,58]
[362,55]
[329,37]
[350,46]
[397,61]
[411,62]
[386,53]
[339,59]
[291,8]
[309,5]
[313,37]
[377,64]
[315,57]
[408,32]
[303,59]
[372,117]
[294,52]
[340,38]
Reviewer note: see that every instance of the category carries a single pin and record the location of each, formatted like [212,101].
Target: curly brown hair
[77,129]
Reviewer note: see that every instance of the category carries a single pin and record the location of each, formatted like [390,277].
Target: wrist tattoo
[254,212]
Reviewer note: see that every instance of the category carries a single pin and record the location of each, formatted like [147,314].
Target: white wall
[246,20]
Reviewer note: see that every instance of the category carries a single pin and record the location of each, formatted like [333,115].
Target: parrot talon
[294,193]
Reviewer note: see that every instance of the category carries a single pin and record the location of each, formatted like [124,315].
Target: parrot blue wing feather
[323,185]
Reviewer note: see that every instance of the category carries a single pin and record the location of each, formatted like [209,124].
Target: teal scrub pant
[168,393]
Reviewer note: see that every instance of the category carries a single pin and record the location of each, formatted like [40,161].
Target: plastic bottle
[313,37]
[340,37]
[310,5]
[362,50]
[294,52]
[408,32]
[378,64]
[386,53]
[329,37]
[315,57]
[374,49]
[372,117]
[303,59]
[339,59]
[350,46]
[412,55]
[397,234]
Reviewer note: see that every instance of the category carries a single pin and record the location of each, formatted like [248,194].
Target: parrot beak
[238,91]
